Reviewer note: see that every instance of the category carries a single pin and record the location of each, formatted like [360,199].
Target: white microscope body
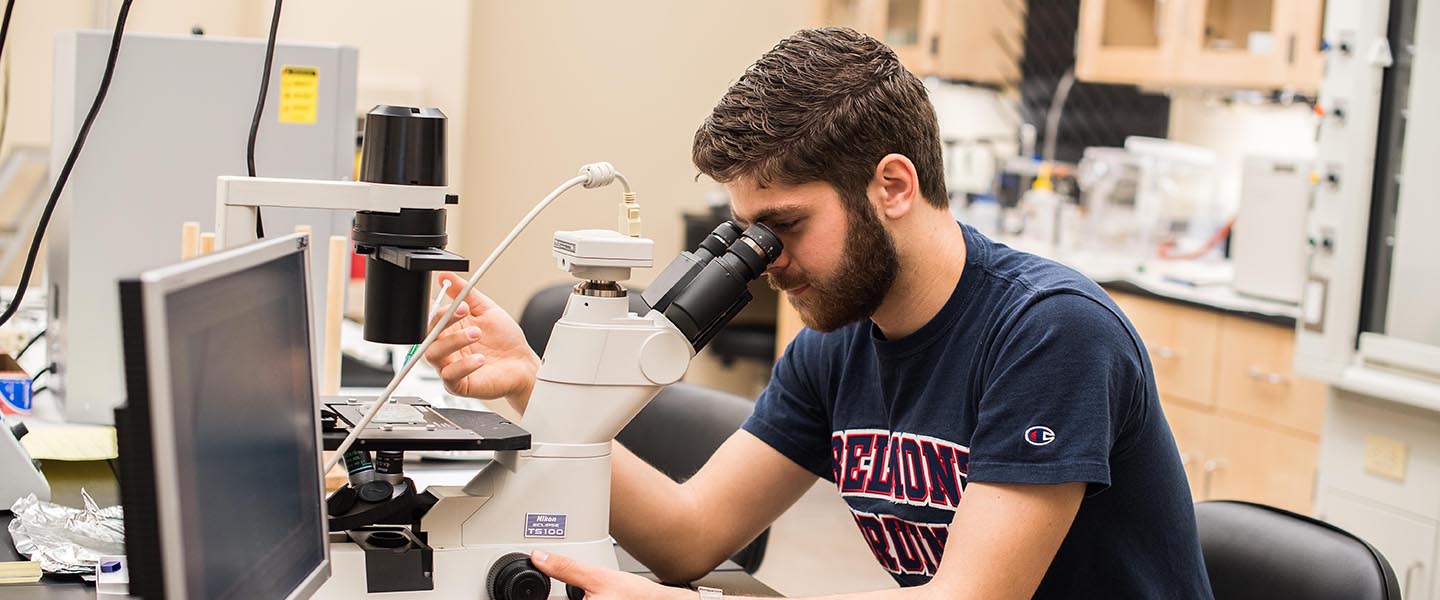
[601,366]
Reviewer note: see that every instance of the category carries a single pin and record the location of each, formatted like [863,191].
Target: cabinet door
[1260,464]
[1126,41]
[1193,430]
[860,15]
[980,40]
[1307,62]
[1234,43]
[911,28]
[1256,377]
[1181,342]
[1407,543]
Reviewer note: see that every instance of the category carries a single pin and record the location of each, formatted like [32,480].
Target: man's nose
[780,264]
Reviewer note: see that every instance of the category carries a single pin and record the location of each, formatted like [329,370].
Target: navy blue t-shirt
[1029,374]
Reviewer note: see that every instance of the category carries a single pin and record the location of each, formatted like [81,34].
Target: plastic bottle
[1040,206]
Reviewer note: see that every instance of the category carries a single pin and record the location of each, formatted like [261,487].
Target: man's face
[837,265]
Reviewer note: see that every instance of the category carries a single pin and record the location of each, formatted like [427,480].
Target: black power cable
[5,94]
[5,25]
[260,109]
[69,163]
[29,344]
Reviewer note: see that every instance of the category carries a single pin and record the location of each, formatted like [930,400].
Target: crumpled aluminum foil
[65,539]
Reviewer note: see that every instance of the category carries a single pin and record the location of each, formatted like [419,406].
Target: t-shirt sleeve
[790,414]
[1066,372]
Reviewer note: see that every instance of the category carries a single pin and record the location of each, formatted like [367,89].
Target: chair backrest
[1257,551]
[678,432]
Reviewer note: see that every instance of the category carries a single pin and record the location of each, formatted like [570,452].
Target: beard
[866,272]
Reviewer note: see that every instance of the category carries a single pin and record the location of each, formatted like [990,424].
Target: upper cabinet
[971,40]
[1257,44]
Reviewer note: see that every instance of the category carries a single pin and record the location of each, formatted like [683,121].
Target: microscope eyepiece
[702,290]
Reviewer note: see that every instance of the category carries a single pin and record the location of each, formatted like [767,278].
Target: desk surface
[67,478]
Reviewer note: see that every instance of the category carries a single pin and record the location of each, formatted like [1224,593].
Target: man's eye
[784,225]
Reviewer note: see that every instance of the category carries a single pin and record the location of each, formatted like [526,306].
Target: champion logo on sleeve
[1039,435]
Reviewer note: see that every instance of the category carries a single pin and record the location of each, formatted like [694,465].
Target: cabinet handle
[1409,572]
[1166,353]
[1209,468]
[1258,374]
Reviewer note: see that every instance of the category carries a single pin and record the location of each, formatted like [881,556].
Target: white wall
[556,85]
[411,53]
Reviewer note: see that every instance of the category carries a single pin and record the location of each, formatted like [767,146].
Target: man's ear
[895,186]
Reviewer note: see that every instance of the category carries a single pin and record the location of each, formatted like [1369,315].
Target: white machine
[176,117]
[21,478]
[1369,325]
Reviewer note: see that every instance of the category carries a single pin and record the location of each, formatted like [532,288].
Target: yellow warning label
[299,94]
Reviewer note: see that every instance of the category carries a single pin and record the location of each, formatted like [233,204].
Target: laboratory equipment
[400,205]
[19,475]
[1109,179]
[1268,243]
[1175,201]
[604,363]
[1369,324]
[183,103]
[219,438]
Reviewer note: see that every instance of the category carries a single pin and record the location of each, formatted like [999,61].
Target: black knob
[514,577]
[574,593]
[20,430]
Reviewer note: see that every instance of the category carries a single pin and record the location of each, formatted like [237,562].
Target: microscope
[602,365]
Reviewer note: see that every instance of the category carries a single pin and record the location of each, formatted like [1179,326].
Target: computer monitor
[219,438]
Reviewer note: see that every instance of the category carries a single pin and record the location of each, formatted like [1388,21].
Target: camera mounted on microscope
[403,146]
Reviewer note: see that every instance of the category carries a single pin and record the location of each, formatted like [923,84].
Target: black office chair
[679,430]
[1257,551]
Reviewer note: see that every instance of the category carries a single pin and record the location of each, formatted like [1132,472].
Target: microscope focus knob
[513,577]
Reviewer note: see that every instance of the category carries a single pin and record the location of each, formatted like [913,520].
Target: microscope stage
[411,424]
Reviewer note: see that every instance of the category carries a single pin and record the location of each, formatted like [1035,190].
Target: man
[989,416]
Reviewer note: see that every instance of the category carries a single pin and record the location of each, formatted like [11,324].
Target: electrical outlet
[1385,457]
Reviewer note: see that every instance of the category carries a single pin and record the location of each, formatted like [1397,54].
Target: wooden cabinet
[971,40]
[1256,378]
[1261,44]
[1182,344]
[1126,41]
[1246,427]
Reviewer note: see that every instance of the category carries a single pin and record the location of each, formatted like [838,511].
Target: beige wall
[555,85]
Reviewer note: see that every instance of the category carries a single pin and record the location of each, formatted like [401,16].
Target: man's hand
[604,584]
[482,353]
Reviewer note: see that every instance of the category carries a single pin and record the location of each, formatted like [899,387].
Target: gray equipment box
[177,116]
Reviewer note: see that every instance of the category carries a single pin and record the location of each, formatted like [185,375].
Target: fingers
[478,302]
[568,570]
[458,369]
[455,337]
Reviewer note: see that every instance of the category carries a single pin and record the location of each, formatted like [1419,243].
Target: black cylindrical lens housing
[395,303]
[403,145]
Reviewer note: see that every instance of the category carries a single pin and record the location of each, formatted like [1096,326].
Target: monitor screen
[236,362]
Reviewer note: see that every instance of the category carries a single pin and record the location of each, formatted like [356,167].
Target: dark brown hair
[823,105]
